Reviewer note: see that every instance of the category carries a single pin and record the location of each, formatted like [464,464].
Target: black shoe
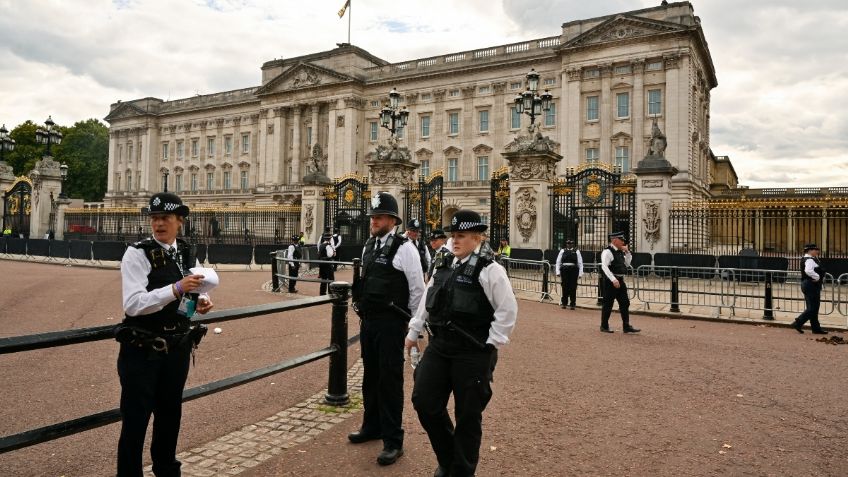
[798,327]
[562,306]
[389,456]
[359,437]
[571,307]
[440,472]
[630,329]
[606,330]
[819,332]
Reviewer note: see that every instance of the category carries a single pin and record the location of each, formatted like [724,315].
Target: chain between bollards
[337,386]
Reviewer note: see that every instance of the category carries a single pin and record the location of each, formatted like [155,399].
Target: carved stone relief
[525,212]
[652,220]
[309,219]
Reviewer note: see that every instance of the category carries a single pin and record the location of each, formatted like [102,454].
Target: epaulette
[143,243]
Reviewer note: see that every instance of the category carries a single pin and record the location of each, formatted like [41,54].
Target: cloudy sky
[780,110]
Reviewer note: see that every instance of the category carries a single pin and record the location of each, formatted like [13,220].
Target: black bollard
[275,280]
[337,386]
[675,292]
[768,305]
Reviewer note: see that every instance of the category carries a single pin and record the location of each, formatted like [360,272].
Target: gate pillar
[46,187]
[653,197]
[532,167]
[6,180]
[391,171]
[312,212]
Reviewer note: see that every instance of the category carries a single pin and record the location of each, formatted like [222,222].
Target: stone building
[610,77]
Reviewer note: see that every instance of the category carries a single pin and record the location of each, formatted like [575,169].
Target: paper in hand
[210,279]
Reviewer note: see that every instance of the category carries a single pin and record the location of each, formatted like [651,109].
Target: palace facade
[611,77]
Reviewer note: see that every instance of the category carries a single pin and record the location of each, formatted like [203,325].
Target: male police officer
[336,242]
[326,253]
[156,338]
[437,243]
[470,310]
[413,233]
[614,262]
[569,266]
[294,252]
[812,276]
[391,286]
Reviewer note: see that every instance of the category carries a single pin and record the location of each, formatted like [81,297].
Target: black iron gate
[345,208]
[588,205]
[17,207]
[499,204]
[424,202]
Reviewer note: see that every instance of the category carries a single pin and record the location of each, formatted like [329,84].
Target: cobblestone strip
[251,445]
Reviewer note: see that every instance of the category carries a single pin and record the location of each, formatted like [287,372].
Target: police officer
[437,243]
[614,262]
[413,234]
[569,266]
[156,338]
[470,310]
[812,276]
[336,242]
[326,253]
[389,290]
[294,251]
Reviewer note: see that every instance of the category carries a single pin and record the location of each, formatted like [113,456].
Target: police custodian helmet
[165,203]
[467,221]
[413,224]
[383,203]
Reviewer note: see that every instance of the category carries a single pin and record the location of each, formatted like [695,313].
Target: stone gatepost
[653,197]
[62,204]
[7,178]
[46,187]
[392,171]
[532,167]
[312,199]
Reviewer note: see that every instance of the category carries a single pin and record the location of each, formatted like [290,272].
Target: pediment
[302,75]
[125,110]
[623,27]
[482,149]
[424,152]
[452,151]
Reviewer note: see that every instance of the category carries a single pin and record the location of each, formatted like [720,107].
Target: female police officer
[156,338]
[470,310]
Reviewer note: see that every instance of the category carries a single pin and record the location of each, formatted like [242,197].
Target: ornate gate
[17,207]
[499,203]
[424,202]
[591,203]
[346,206]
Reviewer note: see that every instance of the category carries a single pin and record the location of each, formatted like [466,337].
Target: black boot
[798,327]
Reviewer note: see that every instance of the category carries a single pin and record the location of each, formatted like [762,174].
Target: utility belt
[568,265]
[160,341]
[453,333]
[380,311]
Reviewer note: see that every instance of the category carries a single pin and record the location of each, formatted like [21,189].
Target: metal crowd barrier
[337,352]
[529,275]
[702,286]
[280,270]
[842,301]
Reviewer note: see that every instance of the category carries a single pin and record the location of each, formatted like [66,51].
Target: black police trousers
[812,298]
[152,382]
[293,273]
[325,272]
[569,285]
[382,337]
[451,366]
[613,294]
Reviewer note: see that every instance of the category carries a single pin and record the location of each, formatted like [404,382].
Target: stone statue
[314,172]
[658,141]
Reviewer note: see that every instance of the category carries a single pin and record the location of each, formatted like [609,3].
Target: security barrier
[280,269]
[337,352]
[529,275]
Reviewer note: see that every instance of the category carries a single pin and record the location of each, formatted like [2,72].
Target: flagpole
[349,15]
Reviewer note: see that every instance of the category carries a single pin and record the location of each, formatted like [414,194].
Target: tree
[27,151]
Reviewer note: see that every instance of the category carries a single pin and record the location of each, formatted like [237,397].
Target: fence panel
[16,246]
[60,249]
[262,253]
[230,254]
[80,249]
[38,247]
[113,251]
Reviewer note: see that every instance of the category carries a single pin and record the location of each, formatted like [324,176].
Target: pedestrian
[470,311]
[391,287]
[336,242]
[812,277]
[438,238]
[302,239]
[614,262]
[503,254]
[326,254]
[294,252]
[413,234]
[157,339]
[569,267]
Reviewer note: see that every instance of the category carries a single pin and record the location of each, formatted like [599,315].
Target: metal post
[337,386]
[675,292]
[768,305]
[545,282]
[357,268]
[275,280]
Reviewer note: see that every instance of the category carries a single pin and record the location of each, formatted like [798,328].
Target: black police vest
[322,251]
[381,282]
[569,256]
[164,272]
[422,255]
[456,296]
[818,269]
[617,266]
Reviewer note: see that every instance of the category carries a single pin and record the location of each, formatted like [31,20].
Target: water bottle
[414,357]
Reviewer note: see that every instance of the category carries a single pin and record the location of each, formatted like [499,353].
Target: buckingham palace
[611,78]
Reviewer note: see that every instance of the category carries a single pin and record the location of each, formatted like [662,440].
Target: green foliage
[84,148]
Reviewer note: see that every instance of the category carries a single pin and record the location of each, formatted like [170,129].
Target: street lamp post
[391,117]
[48,135]
[6,142]
[63,171]
[530,102]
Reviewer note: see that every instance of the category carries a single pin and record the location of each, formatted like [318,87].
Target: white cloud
[780,111]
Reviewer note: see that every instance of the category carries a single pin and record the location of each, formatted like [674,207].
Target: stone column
[296,123]
[62,204]
[47,185]
[637,109]
[335,120]
[262,178]
[653,204]
[316,108]
[608,111]
[279,146]
[572,110]
[532,167]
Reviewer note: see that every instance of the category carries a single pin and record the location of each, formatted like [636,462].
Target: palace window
[227,184]
[452,170]
[425,126]
[483,168]
[550,115]
[654,65]
[228,145]
[194,147]
[178,183]
[654,102]
[453,93]
[179,150]
[592,154]
[623,70]
[309,135]
[622,102]
[165,151]
[210,180]
[210,146]
[194,182]
[484,120]
[592,73]
[622,158]
[515,118]
[244,183]
[245,143]
[550,81]
[592,108]
[129,181]
[483,89]
[425,168]
[130,151]
[374,130]
[453,121]
[515,85]
[399,132]
[426,96]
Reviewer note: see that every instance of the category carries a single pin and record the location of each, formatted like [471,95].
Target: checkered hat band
[468,225]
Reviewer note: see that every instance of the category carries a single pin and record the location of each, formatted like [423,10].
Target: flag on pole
[344,8]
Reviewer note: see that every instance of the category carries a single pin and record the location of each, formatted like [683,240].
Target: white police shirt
[135,267]
[579,262]
[407,261]
[498,290]
[810,268]
[606,260]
